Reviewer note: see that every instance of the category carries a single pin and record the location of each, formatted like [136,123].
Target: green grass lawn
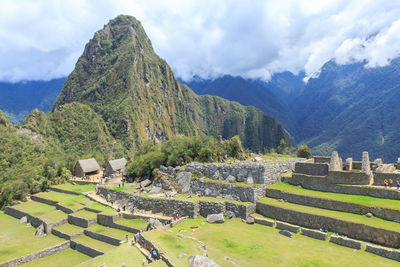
[172,245]
[354,199]
[124,254]
[69,229]
[108,231]
[78,188]
[85,214]
[258,245]
[93,243]
[103,208]
[66,258]
[46,212]
[138,224]
[67,200]
[374,221]
[17,239]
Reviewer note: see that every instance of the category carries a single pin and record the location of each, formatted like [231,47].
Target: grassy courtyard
[69,229]
[138,224]
[93,243]
[124,254]
[108,231]
[78,188]
[46,212]
[257,245]
[65,258]
[351,217]
[85,214]
[17,239]
[354,199]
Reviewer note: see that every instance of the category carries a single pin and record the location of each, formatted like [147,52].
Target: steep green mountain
[135,92]
[27,164]
[273,98]
[352,109]
[75,130]
[18,99]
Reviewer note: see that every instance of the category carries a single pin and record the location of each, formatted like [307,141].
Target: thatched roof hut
[115,166]
[86,167]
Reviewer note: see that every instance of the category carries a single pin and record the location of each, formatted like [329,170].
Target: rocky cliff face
[136,93]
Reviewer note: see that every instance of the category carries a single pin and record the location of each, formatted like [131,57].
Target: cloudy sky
[42,39]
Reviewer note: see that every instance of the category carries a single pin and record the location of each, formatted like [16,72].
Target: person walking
[398,184]
[390,182]
[127,238]
[385,182]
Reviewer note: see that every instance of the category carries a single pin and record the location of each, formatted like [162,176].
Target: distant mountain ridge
[18,99]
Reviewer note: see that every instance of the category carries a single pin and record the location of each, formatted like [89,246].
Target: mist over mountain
[18,99]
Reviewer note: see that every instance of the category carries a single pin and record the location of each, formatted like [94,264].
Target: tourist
[398,184]
[142,243]
[390,183]
[136,237]
[143,263]
[154,254]
[119,185]
[127,238]
[385,182]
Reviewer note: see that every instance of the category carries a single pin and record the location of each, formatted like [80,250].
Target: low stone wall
[103,238]
[319,169]
[348,177]
[379,178]
[107,220]
[66,209]
[37,255]
[321,159]
[211,207]
[314,233]
[384,252]
[387,214]
[347,242]
[34,221]
[261,173]
[91,252]
[229,191]
[63,191]
[81,222]
[353,230]
[287,226]
[64,235]
[320,183]
[44,200]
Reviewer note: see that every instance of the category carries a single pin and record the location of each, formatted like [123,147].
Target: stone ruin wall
[169,207]
[259,173]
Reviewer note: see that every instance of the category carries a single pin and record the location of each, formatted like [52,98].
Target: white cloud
[42,39]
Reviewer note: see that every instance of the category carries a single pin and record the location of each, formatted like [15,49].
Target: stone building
[87,167]
[115,167]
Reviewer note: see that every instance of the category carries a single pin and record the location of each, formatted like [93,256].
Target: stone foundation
[91,252]
[264,221]
[64,191]
[347,242]
[288,226]
[384,252]
[103,238]
[350,229]
[81,222]
[314,233]
[64,235]
[346,177]
[387,214]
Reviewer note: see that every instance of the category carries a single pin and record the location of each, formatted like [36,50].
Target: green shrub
[304,151]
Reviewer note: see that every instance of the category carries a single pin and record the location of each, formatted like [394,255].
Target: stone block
[264,221]
[314,233]
[365,166]
[335,164]
[288,226]
[347,242]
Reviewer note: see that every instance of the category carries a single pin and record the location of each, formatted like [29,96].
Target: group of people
[176,217]
[137,239]
[389,183]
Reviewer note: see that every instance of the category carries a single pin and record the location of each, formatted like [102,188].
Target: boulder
[201,261]
[145,183]
[207,192]
[215,218]
[153,224]
[243,197]
[250,220]
[369,215]
[155,190]
[23,220]
[184,178]
[216,175]
[230,214]
[286,233]
[39,231]
[257,159]
[231,179]
[181,255]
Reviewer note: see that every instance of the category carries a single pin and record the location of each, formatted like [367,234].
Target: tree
[304,151]
[282,146]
